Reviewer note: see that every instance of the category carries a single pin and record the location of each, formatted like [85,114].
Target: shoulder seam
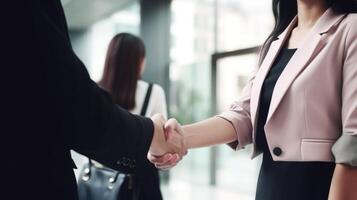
[349,28]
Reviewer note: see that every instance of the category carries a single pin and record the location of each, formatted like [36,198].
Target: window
[200,28]
[192,33]
[235,170]
[125,20]
[243,23]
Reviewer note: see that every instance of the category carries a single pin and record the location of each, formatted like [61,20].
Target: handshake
[168,145]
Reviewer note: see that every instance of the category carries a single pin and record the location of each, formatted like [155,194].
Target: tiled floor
[186,191]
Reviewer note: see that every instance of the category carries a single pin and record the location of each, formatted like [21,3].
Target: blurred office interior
[202,53]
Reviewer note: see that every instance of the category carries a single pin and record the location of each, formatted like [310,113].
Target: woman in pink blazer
[299,109]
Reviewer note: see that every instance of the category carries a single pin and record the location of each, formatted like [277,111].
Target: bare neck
[309,12]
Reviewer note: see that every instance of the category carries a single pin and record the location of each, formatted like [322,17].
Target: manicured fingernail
[168,127]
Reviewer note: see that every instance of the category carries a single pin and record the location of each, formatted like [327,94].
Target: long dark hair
[122,68]
[285,10]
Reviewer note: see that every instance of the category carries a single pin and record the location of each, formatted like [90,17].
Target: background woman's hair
[285,10]
[122,69]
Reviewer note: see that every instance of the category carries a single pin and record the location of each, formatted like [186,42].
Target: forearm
[209,132]
[344,183]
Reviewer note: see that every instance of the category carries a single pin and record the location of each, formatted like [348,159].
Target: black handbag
[98,182]
[103,183]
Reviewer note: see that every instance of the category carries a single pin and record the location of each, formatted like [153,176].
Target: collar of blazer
[311,46]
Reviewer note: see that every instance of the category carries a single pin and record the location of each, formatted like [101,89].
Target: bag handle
[112,180]
[147,99]
[87,173]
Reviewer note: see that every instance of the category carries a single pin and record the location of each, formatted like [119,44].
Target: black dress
[287,180]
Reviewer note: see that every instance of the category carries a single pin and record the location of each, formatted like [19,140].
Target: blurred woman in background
[124,66]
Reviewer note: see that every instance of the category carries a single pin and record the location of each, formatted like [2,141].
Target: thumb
[159,118]
[170,127]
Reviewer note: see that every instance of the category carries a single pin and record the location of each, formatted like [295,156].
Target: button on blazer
[313,111]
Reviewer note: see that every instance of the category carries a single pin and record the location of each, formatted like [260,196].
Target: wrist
[187,136]
[158,143]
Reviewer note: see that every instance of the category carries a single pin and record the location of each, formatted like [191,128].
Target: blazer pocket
[317,150]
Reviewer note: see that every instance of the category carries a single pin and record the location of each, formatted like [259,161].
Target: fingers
[171,126]
[172,129]
[170,163]
[185,152]
[160,160]
[174,146]
[174,134]
[166,161]
[158,144]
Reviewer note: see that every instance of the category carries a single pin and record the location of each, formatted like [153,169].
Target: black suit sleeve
[87,119]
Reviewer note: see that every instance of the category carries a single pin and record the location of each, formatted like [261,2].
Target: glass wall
[200,28]
[241,24]
[235,170]
[125,20]
[192,43]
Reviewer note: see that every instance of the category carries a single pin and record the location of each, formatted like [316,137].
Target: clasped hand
[168,145]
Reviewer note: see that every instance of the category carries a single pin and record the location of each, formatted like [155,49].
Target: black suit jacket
[49,105]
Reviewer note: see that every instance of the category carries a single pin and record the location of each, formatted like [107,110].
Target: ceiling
[81,14]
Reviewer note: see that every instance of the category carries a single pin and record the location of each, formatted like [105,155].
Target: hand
[163,143]
[158,146]
[165,162]
[174,134]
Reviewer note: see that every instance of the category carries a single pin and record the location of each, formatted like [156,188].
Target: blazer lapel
[312,45]
[264,69]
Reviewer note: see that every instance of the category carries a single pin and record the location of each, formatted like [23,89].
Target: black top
[287,180]
[49,105]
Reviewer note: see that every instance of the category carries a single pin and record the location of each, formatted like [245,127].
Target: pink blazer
[313,111]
